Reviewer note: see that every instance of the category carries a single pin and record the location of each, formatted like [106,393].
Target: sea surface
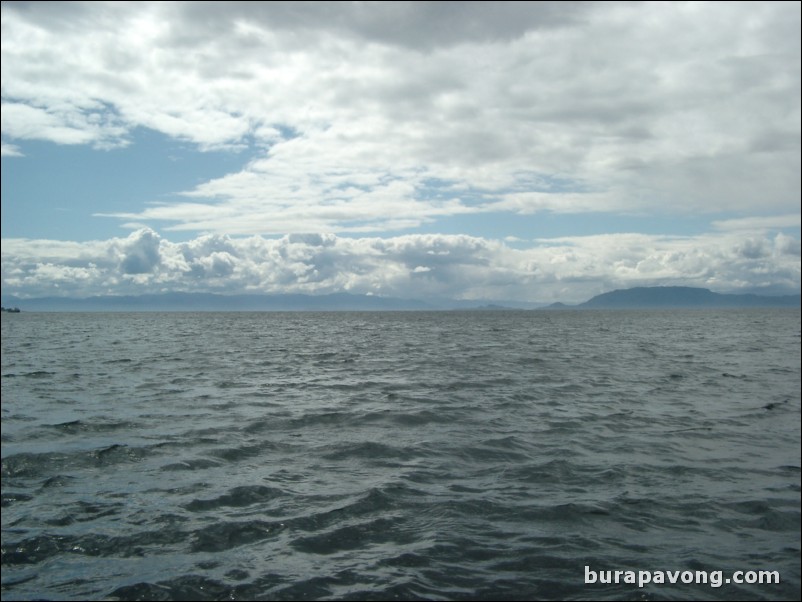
[476,455]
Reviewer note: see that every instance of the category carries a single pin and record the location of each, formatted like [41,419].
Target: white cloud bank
[374,117]
[412,266]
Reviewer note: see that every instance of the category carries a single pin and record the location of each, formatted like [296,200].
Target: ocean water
[444,456]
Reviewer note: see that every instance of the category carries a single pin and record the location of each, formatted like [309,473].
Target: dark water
[453,455]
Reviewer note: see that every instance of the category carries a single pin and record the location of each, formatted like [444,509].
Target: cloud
[371,117]
[414,25]
[430,266]
[759,223]
[9,150]
[140,253]
[64,125]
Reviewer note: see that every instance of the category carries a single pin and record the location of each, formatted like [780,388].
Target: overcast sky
[530,151]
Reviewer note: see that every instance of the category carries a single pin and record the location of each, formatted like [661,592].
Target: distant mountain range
[216,302]
[633,298]
[666,297]
[253,302]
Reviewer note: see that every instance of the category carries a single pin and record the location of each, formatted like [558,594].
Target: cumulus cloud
[369,117]
[140,253]
[569,269]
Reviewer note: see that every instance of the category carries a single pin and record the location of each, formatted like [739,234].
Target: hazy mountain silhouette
[678,297]
[252,302]
[641,297]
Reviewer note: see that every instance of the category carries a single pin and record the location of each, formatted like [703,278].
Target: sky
[527,151]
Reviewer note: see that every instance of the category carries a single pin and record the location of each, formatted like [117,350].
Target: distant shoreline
[634,298]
